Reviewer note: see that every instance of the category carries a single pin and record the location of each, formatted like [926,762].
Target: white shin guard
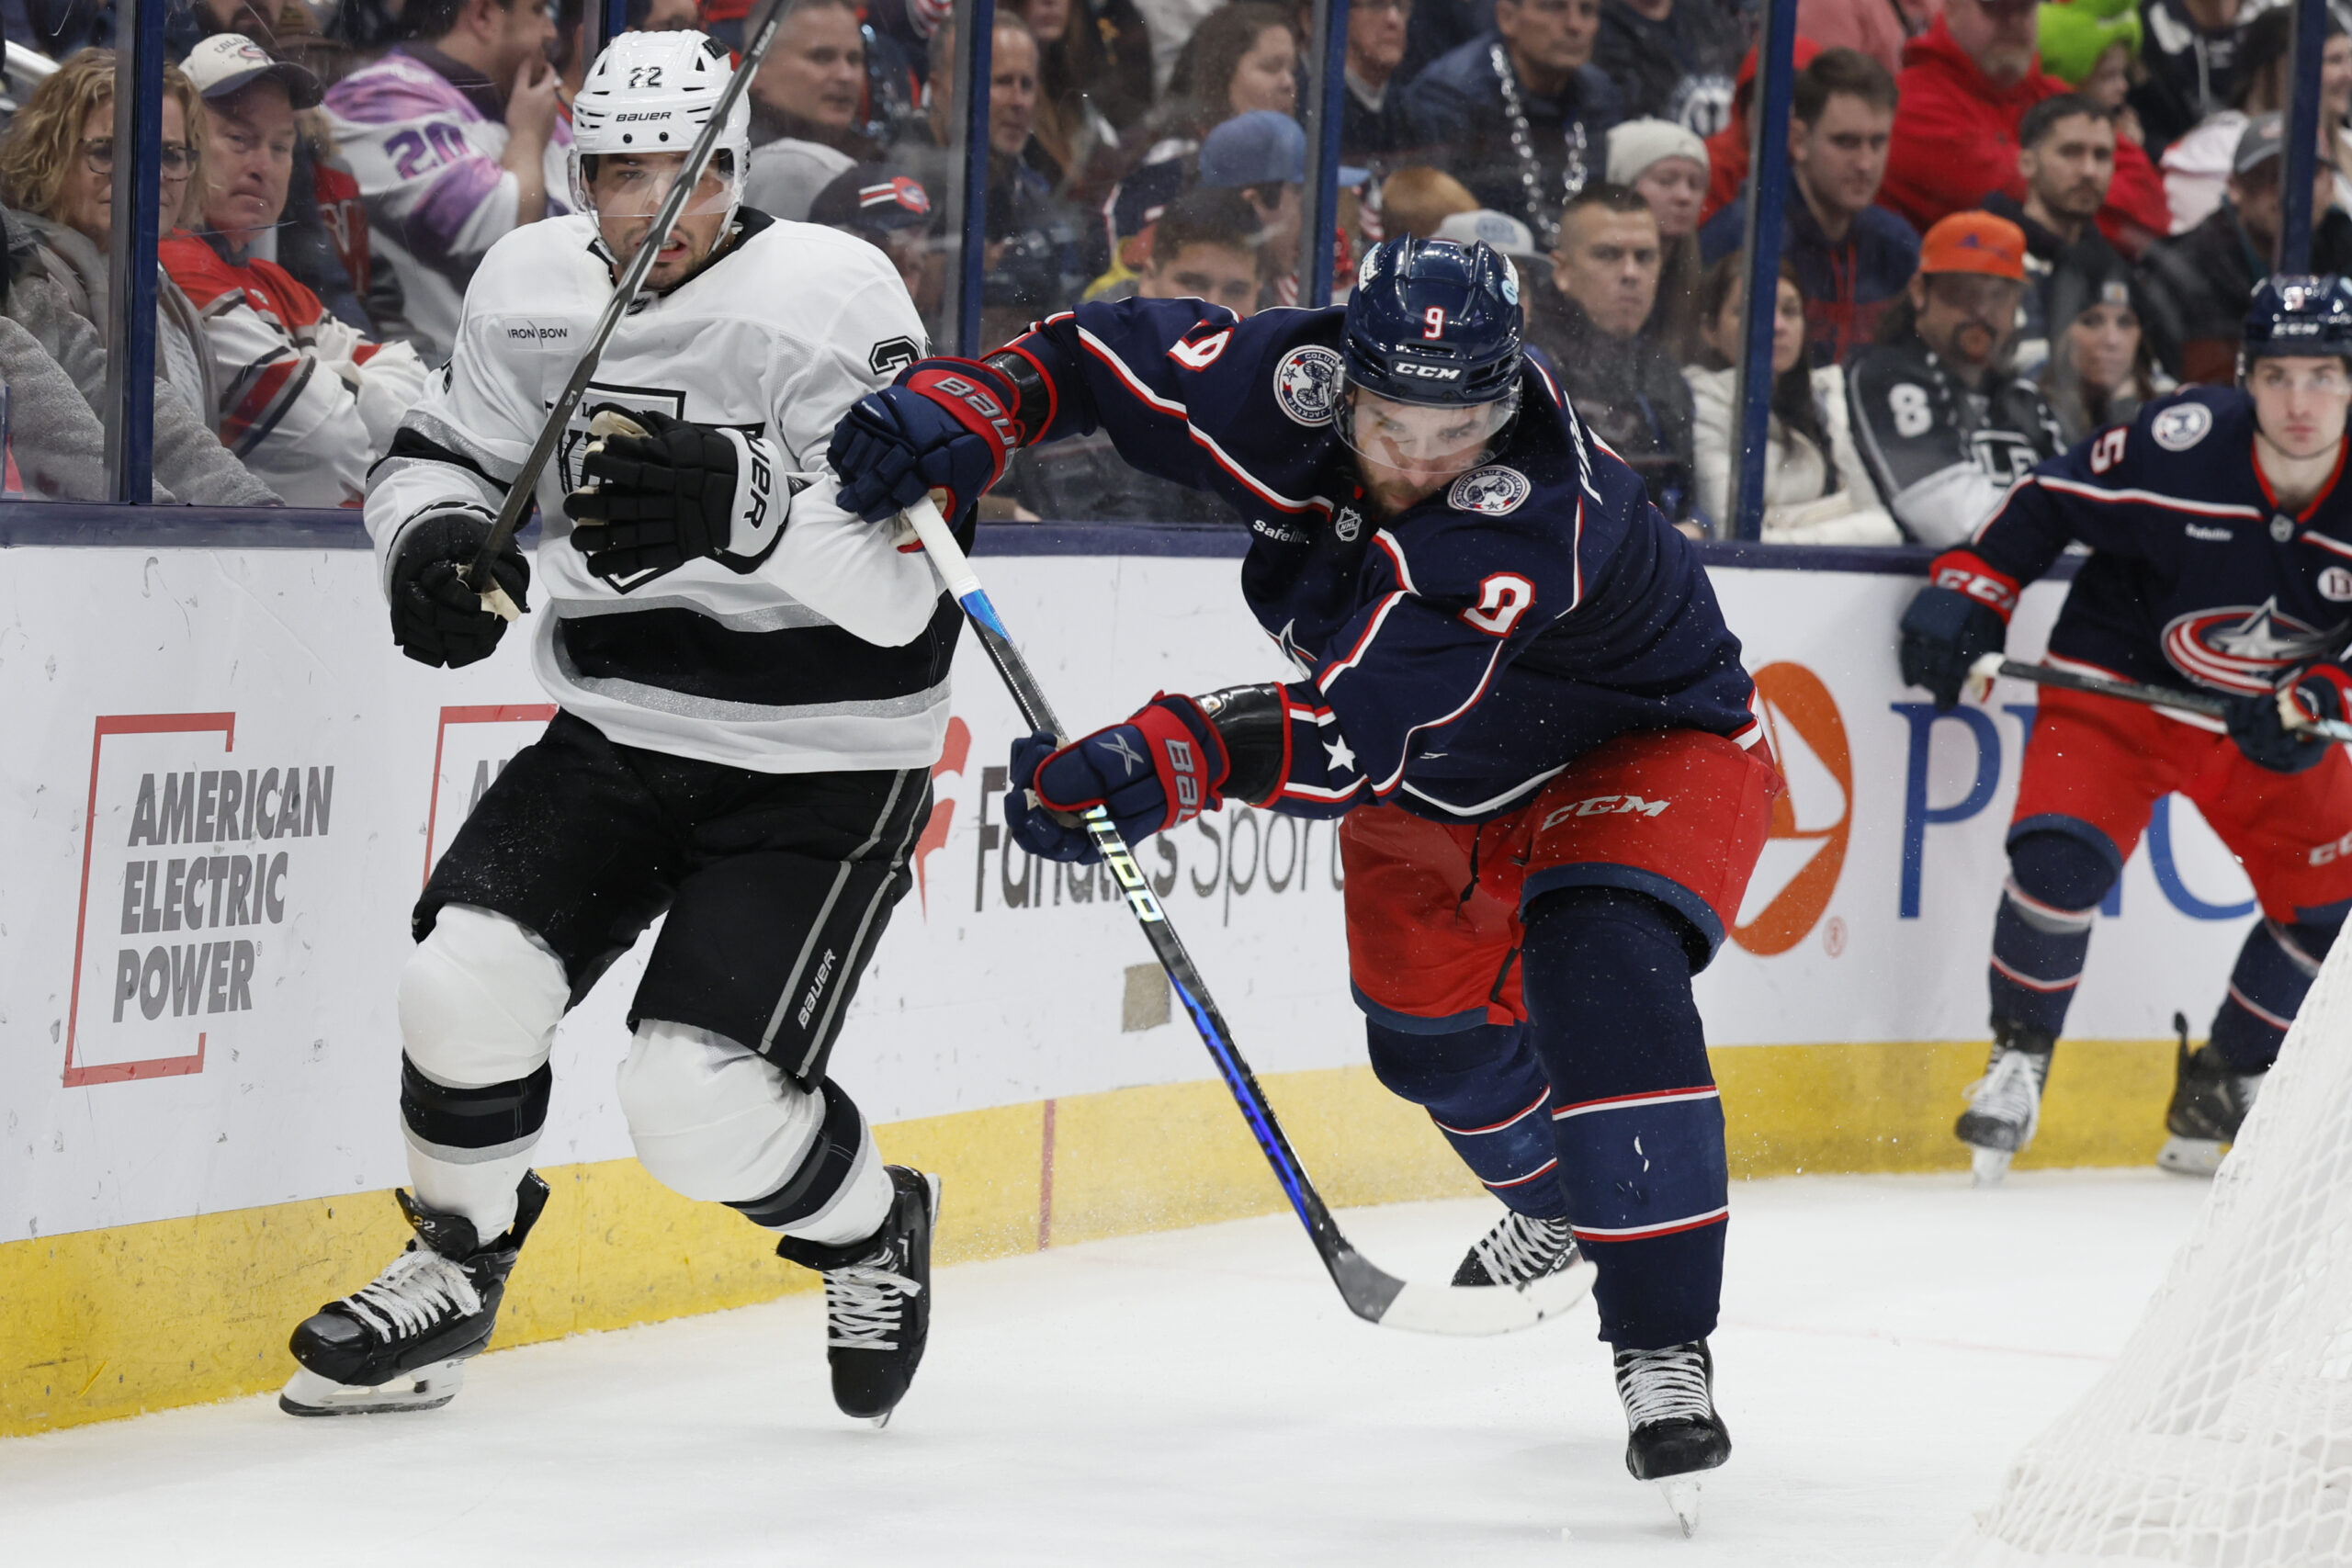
[480,1000]
[715,1121]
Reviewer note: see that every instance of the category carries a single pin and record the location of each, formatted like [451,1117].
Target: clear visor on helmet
[2328,377]
[626,190]
[1418,435]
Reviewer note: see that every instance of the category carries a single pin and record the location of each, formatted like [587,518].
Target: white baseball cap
[226,63]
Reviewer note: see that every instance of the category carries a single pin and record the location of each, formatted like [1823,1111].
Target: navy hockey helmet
[2297,317]
[1433,321]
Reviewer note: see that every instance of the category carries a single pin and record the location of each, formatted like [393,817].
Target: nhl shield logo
[2182,426]
[1307,384]
[1490,491]
[1347,525]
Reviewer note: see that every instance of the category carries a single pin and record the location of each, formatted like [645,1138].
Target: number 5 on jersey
[2109,450]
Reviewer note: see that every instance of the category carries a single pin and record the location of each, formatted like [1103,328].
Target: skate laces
[1522,1248]
[2009,1091]
[418,1289]
[863,1304]
[1663,1385]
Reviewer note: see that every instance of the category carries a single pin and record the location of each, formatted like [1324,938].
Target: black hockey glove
[2259,724]
[436,619]
[657,493]
[1944,633]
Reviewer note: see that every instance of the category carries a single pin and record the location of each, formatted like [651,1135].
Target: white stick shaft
[948,557]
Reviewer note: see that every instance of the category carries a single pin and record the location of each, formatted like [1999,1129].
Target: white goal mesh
[2222,1438]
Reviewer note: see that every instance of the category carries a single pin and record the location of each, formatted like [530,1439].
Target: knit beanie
[2074,33]
[1636,144]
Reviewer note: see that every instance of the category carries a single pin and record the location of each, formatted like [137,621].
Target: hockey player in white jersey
[753,688]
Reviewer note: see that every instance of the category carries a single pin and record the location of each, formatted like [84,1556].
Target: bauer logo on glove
[947,426]
[1160,768]
[657,493]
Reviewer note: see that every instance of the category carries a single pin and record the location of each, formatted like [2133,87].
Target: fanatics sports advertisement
[230,789]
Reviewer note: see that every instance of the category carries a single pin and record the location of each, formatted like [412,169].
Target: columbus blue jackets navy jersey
[1456,656]
[2196,572]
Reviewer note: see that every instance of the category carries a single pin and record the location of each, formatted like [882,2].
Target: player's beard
[1392,491]
[1391,496]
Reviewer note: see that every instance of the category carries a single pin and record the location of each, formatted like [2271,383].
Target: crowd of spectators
[2007,223]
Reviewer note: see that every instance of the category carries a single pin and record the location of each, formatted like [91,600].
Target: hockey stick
[1982,673]
[673,206]
[1370,1293]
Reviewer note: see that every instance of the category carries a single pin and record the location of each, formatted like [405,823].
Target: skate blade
[2190,1157]
[427,1388]
[1989,1166]
[1681,1494]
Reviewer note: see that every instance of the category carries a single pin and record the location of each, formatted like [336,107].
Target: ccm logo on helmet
[1606,806]
[1428,372]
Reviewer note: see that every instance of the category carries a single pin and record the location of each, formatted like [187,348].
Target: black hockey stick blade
[1371,1292]
[1983,672]
[477,574]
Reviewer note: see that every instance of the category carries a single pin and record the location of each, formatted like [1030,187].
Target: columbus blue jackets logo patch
[1490,491]
[2243,648]
[2182,426]
[1307,384]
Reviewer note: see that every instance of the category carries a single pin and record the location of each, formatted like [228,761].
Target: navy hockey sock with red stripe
[1636,1117]
[2274,968]
[2042,933]
[1486,1092]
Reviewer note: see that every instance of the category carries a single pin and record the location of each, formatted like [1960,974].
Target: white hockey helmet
[653,92]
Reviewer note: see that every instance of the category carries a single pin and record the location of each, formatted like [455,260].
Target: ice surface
[1197,1398]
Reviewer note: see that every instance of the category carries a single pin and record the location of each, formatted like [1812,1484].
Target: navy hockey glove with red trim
[2259,724]
[1945,632]
[1163,767]
[948,425]
[436,619]
[1035,829]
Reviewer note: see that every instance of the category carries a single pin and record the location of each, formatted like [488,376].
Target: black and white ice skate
[1520,1249]
[2005,1105]
[401,1341]
[1673,1432]
[2210,1100]
[877,1300]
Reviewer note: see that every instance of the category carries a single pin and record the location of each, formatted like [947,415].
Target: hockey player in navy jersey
[1515,687]
[2222,556]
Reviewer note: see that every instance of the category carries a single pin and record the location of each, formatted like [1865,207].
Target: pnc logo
[1810,821]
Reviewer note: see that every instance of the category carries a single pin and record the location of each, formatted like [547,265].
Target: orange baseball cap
[1974,241]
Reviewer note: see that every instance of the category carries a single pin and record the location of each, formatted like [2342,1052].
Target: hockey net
[2222,1438]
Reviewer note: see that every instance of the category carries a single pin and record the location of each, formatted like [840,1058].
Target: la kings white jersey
[826,650]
